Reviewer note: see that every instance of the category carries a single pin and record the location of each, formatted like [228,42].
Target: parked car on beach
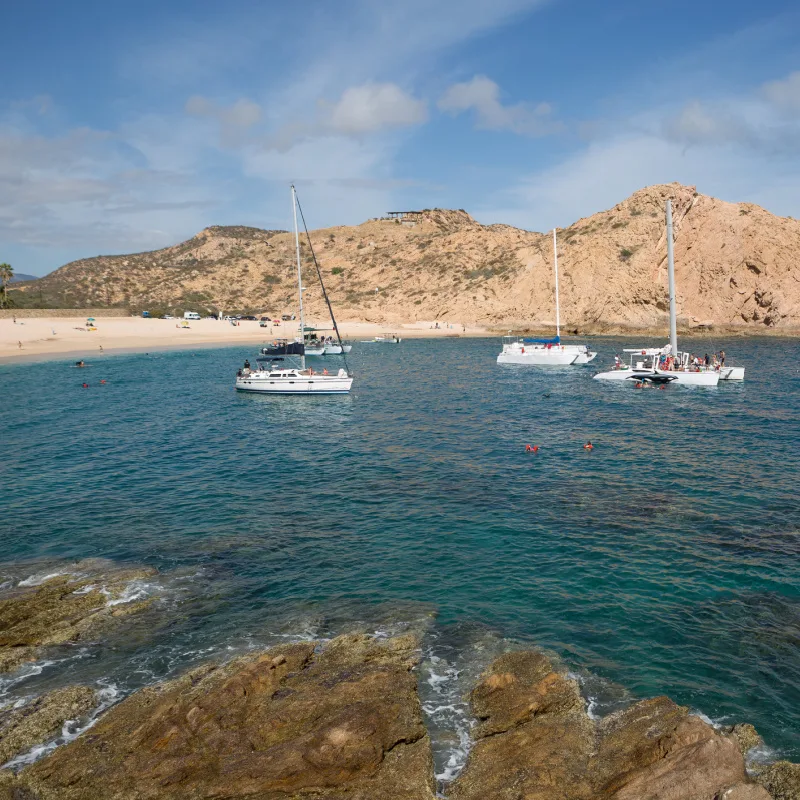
[249,318]
[167,316]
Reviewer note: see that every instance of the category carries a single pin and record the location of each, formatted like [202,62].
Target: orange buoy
[102,381]
[85,385]
[528,448]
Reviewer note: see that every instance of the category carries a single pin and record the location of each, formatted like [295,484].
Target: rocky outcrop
[341,721]
[42,718]
[535,740]
[781,780]
[63,609]
[736,269]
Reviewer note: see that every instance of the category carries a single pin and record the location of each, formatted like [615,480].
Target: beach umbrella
[90,319]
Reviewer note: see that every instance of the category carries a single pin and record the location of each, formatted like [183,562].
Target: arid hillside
[736,268]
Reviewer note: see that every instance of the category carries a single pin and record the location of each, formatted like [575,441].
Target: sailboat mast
[299,275]
[673,328]
[555,263]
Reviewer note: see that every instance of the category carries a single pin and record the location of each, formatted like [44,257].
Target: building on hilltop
[404,216]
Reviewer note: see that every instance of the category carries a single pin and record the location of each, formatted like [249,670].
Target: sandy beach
[33,339]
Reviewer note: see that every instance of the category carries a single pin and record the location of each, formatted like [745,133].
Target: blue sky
[130,126]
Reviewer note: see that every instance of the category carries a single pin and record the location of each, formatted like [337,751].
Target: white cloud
[784,94]
[374,107]
[482,96]
[609,170]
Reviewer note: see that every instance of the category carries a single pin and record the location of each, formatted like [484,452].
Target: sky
[127,127]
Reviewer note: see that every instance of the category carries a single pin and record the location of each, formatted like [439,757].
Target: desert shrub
[337,271]
[625,253]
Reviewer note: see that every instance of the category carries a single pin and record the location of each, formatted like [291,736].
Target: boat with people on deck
[667,364]
[545,352]
[275,373]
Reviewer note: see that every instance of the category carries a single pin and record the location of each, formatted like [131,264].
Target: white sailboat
[545,352]
[662,365]
[271,376]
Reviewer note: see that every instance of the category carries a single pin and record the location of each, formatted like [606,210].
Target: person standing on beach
[20,345]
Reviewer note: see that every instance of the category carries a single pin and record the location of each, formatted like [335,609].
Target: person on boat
[708,360]
[617,363]
[247,363]
[722,358]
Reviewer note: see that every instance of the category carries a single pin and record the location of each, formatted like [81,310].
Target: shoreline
[56,338]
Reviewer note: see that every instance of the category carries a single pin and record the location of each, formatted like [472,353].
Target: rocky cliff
[736,268]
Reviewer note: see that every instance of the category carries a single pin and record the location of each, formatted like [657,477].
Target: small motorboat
[389,338]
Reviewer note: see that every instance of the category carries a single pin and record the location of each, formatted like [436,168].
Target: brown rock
[345,721]
[42,718]
[745,791]
[62,609]
[745,736]
[535,741]
[781,780]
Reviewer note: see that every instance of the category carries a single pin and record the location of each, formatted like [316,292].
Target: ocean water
[665,561]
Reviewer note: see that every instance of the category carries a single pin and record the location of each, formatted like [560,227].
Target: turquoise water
[665,561]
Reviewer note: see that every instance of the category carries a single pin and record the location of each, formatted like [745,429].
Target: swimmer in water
[588,446]
[79,364]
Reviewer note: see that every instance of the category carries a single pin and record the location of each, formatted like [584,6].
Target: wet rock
[745,736]
[42,718]
[341,721]
[781,780]
[63,609]
[535,741]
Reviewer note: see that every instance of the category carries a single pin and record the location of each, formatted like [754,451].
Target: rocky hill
[736,268]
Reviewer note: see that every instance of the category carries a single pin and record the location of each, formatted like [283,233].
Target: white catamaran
[545,352]
[271,376]
[667,364]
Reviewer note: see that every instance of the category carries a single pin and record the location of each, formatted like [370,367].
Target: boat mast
[299,276]
[673,328]
[555,262]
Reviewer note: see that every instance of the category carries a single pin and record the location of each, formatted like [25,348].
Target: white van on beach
[191,315]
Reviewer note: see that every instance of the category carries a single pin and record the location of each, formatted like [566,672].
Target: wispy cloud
[482,96]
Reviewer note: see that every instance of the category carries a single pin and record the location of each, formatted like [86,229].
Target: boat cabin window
[275,375]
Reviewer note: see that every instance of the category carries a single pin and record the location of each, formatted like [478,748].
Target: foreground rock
[781,779]
[536,742]
[343,722]
[63,609]
[42,719]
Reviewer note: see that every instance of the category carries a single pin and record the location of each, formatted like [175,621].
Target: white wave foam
[107,696]
[135,590]
[39,578]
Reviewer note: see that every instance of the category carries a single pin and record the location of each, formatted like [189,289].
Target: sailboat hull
[296,384]
[731,373]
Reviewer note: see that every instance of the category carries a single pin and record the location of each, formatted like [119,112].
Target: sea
[662,561]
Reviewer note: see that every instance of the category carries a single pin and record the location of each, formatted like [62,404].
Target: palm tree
[6,274]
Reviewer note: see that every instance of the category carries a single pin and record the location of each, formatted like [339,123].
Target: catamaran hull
[316,384]
[682,378]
